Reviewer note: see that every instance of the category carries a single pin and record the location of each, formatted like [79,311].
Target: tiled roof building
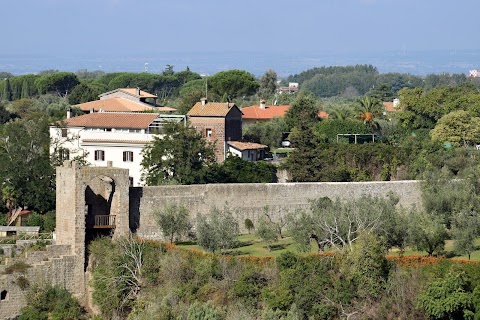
[219,122]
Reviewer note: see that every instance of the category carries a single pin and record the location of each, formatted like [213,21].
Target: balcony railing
[101,221]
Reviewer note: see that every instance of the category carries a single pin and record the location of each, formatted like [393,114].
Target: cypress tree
[25,90]
[7,91]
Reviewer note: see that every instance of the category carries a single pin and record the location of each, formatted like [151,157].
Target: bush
[204,311]
[249,225]
[53,303]
[218,231]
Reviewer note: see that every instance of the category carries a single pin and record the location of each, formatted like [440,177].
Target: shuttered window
[99,155]
[127,156]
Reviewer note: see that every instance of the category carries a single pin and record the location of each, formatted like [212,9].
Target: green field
[251,245]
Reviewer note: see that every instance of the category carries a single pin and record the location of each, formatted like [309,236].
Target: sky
[154,26]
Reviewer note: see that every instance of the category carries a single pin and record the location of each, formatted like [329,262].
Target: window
[208,132]
[99,155]
[4,295]
[127,156]
[63,154]
[64,132]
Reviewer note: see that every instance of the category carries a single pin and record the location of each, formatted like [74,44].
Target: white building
[249,151]
[103,137]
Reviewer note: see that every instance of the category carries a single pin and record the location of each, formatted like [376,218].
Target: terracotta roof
[255,112]
[389,107]
[246,145]
[112,120]
[165,109]
[211,109]
[131,91]
[323,115]
[115,104]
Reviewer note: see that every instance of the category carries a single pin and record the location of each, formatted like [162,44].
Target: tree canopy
[25,163]
[180,156]
[233,83]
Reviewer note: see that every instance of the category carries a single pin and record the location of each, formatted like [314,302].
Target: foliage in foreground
[359,284]
[52,303]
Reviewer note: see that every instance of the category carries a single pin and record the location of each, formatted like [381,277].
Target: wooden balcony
[101,222]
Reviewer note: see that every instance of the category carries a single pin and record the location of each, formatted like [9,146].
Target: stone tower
[91,201]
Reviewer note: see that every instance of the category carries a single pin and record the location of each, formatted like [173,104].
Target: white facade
[247,150]
[123,147]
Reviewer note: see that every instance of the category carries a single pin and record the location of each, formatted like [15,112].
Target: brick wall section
[51,267]
[249,200]
[217,124]
[227,128]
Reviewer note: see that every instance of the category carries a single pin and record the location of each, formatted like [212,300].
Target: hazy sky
[154,26]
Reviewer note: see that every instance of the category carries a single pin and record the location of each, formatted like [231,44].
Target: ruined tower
[91,201]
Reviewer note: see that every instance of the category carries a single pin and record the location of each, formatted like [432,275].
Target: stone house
[218,122]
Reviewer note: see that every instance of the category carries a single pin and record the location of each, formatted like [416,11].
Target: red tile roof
[323,115]
[131,91]
[211,109]
[115,104]
[112,120]
[389,107]
[246,145]
[255,112]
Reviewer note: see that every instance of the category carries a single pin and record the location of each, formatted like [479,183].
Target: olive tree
[173,219]
[217,231]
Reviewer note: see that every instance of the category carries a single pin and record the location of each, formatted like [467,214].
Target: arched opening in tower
[99,205]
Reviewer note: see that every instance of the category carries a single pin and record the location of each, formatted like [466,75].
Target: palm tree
[369,107]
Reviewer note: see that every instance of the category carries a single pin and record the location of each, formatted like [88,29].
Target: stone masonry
[250,200]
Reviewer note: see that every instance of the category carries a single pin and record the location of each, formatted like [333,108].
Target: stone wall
[249,200]
[50,267]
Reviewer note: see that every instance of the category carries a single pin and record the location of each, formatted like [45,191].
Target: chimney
[204,101]
[69,113]
[262,104]
[396,102]
[138,91]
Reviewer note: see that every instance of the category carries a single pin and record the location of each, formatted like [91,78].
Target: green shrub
[204,311]
[448,298]
[53,303]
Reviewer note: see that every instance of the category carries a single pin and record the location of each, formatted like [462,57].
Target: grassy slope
[251,245]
